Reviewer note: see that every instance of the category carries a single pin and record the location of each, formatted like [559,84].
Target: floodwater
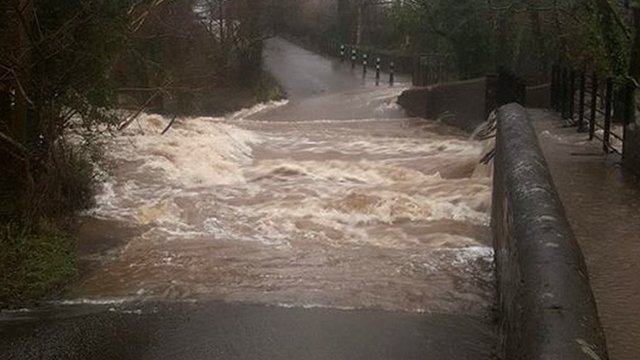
[332,199]
[602,204]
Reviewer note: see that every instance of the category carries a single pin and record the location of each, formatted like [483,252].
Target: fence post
[629,111]
[565,93]
[594,106]
[428,73]
[419,71]
[416,76]
[354,58]
[629,92]
[491,94]
[392,69]
[581,105]
[554,87]
[607,115]
[559,90]
[572,94]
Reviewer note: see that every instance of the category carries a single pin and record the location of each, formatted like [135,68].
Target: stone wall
[546,307]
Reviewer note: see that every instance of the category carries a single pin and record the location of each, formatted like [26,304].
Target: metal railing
[601,105]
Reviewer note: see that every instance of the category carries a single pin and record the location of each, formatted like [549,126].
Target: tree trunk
[5,107]
[221,21]
[344,20]
[21,53]
[503,56]
[358,24]
[562,43]
[634,64]
[543,65]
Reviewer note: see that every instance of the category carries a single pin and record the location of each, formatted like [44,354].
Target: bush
[71,182]
[37,252]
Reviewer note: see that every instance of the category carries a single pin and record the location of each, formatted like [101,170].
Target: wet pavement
[603,207]
[235,331]
[356,232]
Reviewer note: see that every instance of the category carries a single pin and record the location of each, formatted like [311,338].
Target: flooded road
[333,200]
[333,213]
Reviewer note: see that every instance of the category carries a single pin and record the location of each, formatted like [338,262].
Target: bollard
[392,69]
[607,115]
[377,71]
[342,52]
[354,58]
[594,106]
[583,79]
[365,61]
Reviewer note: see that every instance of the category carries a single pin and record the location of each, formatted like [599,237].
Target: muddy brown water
[381,211]
[333,199]
[331,226]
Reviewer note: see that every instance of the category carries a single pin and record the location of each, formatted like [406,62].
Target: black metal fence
[601,105]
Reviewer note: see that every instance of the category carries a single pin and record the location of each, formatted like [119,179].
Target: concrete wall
[546,307]
[460,104]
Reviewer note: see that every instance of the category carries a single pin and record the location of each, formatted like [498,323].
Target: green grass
[34,263]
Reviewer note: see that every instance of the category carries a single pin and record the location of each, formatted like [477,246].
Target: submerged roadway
[219,330]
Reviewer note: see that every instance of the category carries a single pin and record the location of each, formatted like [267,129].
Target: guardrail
[601,105]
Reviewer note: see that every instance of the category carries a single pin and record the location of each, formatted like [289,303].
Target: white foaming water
[259,207]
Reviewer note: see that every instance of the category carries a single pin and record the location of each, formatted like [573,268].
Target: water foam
[243,209]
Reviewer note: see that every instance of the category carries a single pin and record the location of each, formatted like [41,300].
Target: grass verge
[37,249]
[34,263]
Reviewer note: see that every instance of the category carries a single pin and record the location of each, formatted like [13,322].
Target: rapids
[338,200]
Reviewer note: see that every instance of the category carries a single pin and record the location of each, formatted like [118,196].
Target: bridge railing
[601,105]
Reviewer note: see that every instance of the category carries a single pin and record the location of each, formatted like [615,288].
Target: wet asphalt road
[240,331]
[233,331]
